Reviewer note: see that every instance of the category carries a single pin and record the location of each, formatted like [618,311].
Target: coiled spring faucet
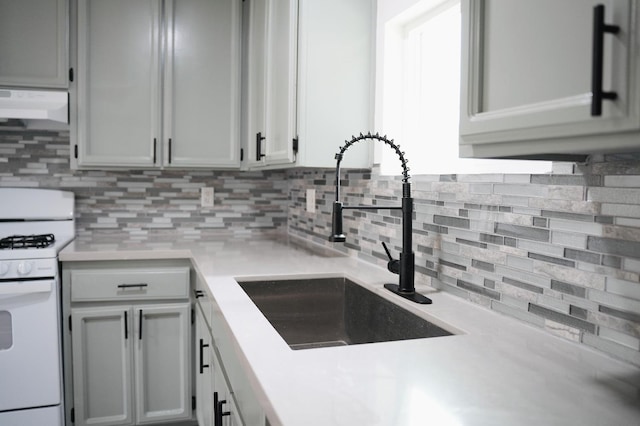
[405,266]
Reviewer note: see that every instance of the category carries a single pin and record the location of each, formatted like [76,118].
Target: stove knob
[24,268]
[4,268]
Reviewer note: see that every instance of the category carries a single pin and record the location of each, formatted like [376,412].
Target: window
[421,94]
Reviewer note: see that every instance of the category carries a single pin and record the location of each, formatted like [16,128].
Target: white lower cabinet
[102,363]
[161,360]
[216,390]
[224,407]
[203,372]
[131,359]
[130,346]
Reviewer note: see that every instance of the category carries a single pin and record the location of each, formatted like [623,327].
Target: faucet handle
[394,264]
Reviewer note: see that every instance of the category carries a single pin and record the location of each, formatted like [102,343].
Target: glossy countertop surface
[494,371]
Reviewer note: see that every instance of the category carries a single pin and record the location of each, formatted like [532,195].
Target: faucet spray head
[336,224]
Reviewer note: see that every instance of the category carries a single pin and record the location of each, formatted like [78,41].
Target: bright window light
[421,96]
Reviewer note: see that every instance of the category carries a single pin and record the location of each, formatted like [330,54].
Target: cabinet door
[335,74]
[225,410]
[202,83]
[272,81]
[281,66]
[203,371]
[527,72]
[118,109]
[33,43]
[162,362]
[102,359]
[256,79]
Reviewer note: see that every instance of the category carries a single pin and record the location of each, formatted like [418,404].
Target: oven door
[30,365]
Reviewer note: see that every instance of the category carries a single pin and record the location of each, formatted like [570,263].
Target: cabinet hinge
[71,74]
[295,145]
[69,322]
[193,402]
[242,149]
[73,415]
[75,151]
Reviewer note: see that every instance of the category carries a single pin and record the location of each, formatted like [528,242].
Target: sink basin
[314,313]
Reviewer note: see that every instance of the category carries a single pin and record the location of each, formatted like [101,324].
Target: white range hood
[34,105]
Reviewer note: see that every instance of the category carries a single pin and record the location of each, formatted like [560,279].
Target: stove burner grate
[27,241]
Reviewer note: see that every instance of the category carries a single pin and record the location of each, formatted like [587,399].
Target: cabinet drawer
[129,284]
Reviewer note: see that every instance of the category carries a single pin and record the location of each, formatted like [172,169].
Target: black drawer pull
[141,285]
[198,293]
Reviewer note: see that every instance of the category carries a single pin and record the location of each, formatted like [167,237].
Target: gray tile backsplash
[152,202]
[558,251]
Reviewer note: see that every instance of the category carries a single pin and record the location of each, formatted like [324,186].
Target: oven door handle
[25,287]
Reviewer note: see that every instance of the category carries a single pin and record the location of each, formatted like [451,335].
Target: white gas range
[35,224]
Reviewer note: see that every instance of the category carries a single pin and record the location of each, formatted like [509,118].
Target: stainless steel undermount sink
[321,312]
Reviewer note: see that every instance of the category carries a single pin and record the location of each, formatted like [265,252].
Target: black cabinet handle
[140,325]
[216,422]
[202,364]
[126,326]
[218,412]
[198,293]
[259,139]
[170,150]
[141,285]
[597,60]
[155,143]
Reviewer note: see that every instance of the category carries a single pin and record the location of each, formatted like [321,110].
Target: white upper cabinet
[202,83]
[34,43]
[157,84]
[118,83]
[309,81]
[531,79]
[271,63]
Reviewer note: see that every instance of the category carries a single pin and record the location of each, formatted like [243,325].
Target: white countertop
[498,371]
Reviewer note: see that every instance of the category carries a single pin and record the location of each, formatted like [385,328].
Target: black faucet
[405,267]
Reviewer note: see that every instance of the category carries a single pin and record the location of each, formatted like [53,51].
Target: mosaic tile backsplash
[559,251]
[140,203]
